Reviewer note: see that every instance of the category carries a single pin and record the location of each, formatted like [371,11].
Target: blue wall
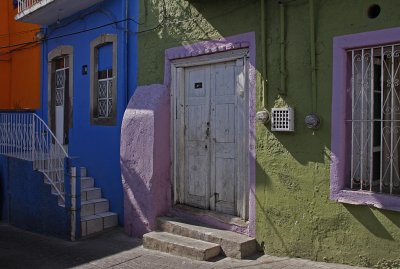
[96,146]
[4,197]
[26,201]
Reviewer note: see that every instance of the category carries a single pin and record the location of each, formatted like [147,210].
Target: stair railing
[26,136]
[26,4]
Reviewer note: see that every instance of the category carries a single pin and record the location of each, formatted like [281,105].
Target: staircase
[26,136]
[95,214]
[178,237]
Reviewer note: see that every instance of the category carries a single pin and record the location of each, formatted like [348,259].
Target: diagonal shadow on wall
[366,217]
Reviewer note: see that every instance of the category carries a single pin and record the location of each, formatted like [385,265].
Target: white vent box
[282,119]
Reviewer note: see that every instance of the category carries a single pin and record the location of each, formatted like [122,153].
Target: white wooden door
[215,162]
[197,142]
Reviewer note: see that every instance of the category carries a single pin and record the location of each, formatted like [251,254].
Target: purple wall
[145,159]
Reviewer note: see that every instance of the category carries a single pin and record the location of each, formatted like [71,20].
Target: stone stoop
[181,245]
[172,230]
[95,214]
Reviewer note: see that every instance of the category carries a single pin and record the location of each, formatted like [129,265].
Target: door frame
[60,51]
[177,145]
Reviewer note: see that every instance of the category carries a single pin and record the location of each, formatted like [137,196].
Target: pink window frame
[341,111]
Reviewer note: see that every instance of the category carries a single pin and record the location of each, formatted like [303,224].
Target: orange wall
[5,66]
[19,66]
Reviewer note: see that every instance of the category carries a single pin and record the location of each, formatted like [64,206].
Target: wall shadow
[365,216]
[45,252]
[264,182]
[392,216]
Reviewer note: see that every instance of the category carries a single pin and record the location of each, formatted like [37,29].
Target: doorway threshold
[184,211]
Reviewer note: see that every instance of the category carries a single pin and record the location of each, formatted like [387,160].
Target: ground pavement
[113,249]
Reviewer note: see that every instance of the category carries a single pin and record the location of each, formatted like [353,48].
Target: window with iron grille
[104,94]
[365,143]
[61,69]
[103,75]
[375,91]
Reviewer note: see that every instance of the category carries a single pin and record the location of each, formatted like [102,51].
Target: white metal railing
[26,136]
[26,4]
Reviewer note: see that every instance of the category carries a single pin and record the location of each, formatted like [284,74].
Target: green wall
[294,214]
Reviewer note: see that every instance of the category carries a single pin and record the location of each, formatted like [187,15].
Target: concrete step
[90,194]
[233,245]
[87,182]
[93,207]
[59,185]
[83,172]
[180,245]
[97,223]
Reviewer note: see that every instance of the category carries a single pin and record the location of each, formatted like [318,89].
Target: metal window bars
[105,95]
[26,136]
[375,95]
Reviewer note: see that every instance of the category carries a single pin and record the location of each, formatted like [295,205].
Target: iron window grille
[375,119]
[61,65]
[105,93]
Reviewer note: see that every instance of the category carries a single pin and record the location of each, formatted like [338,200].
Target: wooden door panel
[225,185]
[225,123]
[224,163]
[195,123]
[197,156]
[225,79]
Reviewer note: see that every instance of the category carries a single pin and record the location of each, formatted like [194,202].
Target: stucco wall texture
[27,203]
[18,62]
[294,213]
[145,159]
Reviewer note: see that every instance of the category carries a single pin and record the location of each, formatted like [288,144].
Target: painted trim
[341,131]
[94,45]
[231,43]
[51,56]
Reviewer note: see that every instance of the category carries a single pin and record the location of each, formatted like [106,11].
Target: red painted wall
[20,65]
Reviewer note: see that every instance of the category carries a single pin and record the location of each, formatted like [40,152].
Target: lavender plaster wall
[341,111]
[145,159]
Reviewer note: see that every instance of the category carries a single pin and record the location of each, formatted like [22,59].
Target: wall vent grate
[282,119]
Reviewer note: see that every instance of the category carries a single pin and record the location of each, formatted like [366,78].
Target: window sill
[377,200]
[104,121]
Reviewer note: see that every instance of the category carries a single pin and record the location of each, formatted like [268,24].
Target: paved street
[21,249]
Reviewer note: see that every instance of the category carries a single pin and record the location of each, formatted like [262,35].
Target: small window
[104,94]
[375,94]
[103,80]
[365,149]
